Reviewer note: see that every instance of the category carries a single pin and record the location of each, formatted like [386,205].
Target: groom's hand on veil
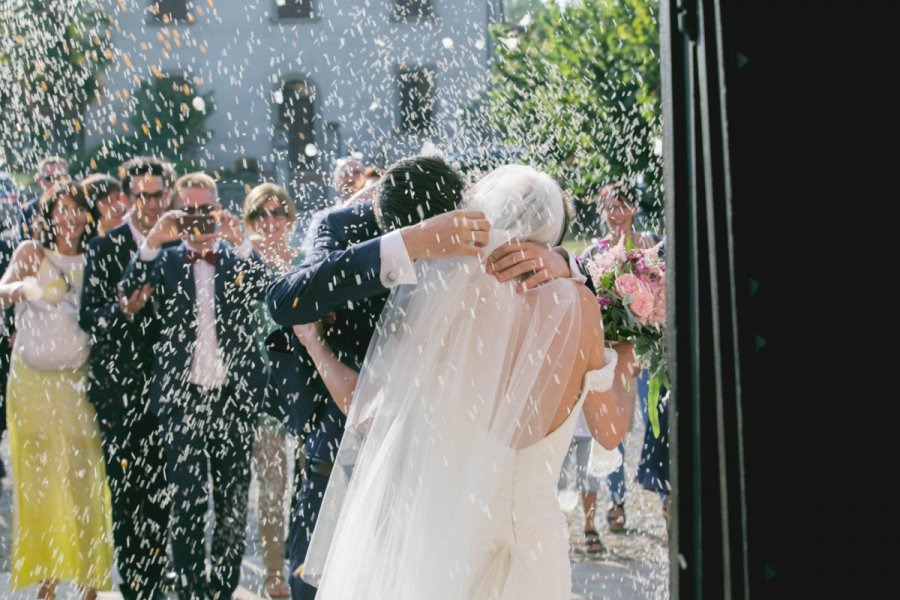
[455,233]
[535,263]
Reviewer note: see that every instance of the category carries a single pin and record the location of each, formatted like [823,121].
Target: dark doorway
[774,195]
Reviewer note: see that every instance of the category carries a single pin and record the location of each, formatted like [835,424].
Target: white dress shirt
[139,238]
[207,367]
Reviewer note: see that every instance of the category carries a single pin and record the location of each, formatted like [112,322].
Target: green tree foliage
[577,88]
[167,118]
[515,10]
[52,56]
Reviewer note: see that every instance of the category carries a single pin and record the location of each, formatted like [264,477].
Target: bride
[445,483]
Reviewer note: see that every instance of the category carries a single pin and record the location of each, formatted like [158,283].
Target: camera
[197,224]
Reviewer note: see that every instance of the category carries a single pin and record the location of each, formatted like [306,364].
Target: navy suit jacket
[341,274]
[237,284]
[7,247]
[121,349]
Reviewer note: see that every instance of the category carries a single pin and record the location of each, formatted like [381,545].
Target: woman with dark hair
[61,500]
[269,218]
[109,206]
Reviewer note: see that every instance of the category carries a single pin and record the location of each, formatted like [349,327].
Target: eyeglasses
[78,211]
[148,196]
[262,214]
[204,209]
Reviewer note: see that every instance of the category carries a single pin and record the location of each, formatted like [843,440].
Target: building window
[296,102]
[408,10]
[294,9]
[416,98]
[168,11]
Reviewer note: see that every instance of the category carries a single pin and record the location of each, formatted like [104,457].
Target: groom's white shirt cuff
[396,265]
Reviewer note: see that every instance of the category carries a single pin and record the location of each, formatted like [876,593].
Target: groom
[360,252]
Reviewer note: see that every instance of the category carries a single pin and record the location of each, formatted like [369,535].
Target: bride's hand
[537,262]
[310,333]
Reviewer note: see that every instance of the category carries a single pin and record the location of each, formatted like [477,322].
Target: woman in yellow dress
[61,505]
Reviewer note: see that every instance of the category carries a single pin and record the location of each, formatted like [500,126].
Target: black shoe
[169,578]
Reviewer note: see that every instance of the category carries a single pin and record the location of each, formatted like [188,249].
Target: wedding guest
[11,199]
[369,189]
[10,215]
[346,181]
[208,376]
[653,465]
[123,330]
[347,178]
[371,176]
[617,204]
[7,247]
[269,216]
[61,517]
[109,205]
[49,171]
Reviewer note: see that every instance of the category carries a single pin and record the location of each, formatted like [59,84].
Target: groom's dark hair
[417,188]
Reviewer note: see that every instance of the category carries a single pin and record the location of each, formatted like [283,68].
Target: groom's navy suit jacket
[238,283]
[342,274]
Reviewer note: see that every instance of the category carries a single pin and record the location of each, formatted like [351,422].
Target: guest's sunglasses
[148,196]
[262,214]
[205,209]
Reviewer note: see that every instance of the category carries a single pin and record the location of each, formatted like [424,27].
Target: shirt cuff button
[392,276]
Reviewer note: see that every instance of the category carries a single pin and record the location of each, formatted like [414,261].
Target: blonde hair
[263,193]
[197,180]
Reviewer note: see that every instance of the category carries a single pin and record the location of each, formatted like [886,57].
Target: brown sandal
[615,517]
[592,544]
[276,586]
[47,591]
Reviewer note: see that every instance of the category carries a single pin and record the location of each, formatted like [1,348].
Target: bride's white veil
[461,372]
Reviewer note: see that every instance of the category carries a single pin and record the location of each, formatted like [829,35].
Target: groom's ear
[397,219]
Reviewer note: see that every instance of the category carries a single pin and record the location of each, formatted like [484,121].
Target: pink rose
[659,305]
[642,305]
[627,284]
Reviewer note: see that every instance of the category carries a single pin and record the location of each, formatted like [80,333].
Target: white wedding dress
[444,487]
[523,553]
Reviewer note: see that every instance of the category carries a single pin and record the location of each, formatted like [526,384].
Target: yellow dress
[61,503]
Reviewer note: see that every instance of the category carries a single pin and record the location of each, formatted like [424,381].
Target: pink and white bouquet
[631,289]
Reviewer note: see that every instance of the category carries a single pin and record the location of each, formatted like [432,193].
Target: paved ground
[635,565]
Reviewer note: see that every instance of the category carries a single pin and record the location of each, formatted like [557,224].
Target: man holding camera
[123,329]
[208,375]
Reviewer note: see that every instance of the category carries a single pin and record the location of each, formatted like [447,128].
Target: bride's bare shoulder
[590,315]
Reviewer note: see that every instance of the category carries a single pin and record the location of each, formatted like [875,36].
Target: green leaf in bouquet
[653,404]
